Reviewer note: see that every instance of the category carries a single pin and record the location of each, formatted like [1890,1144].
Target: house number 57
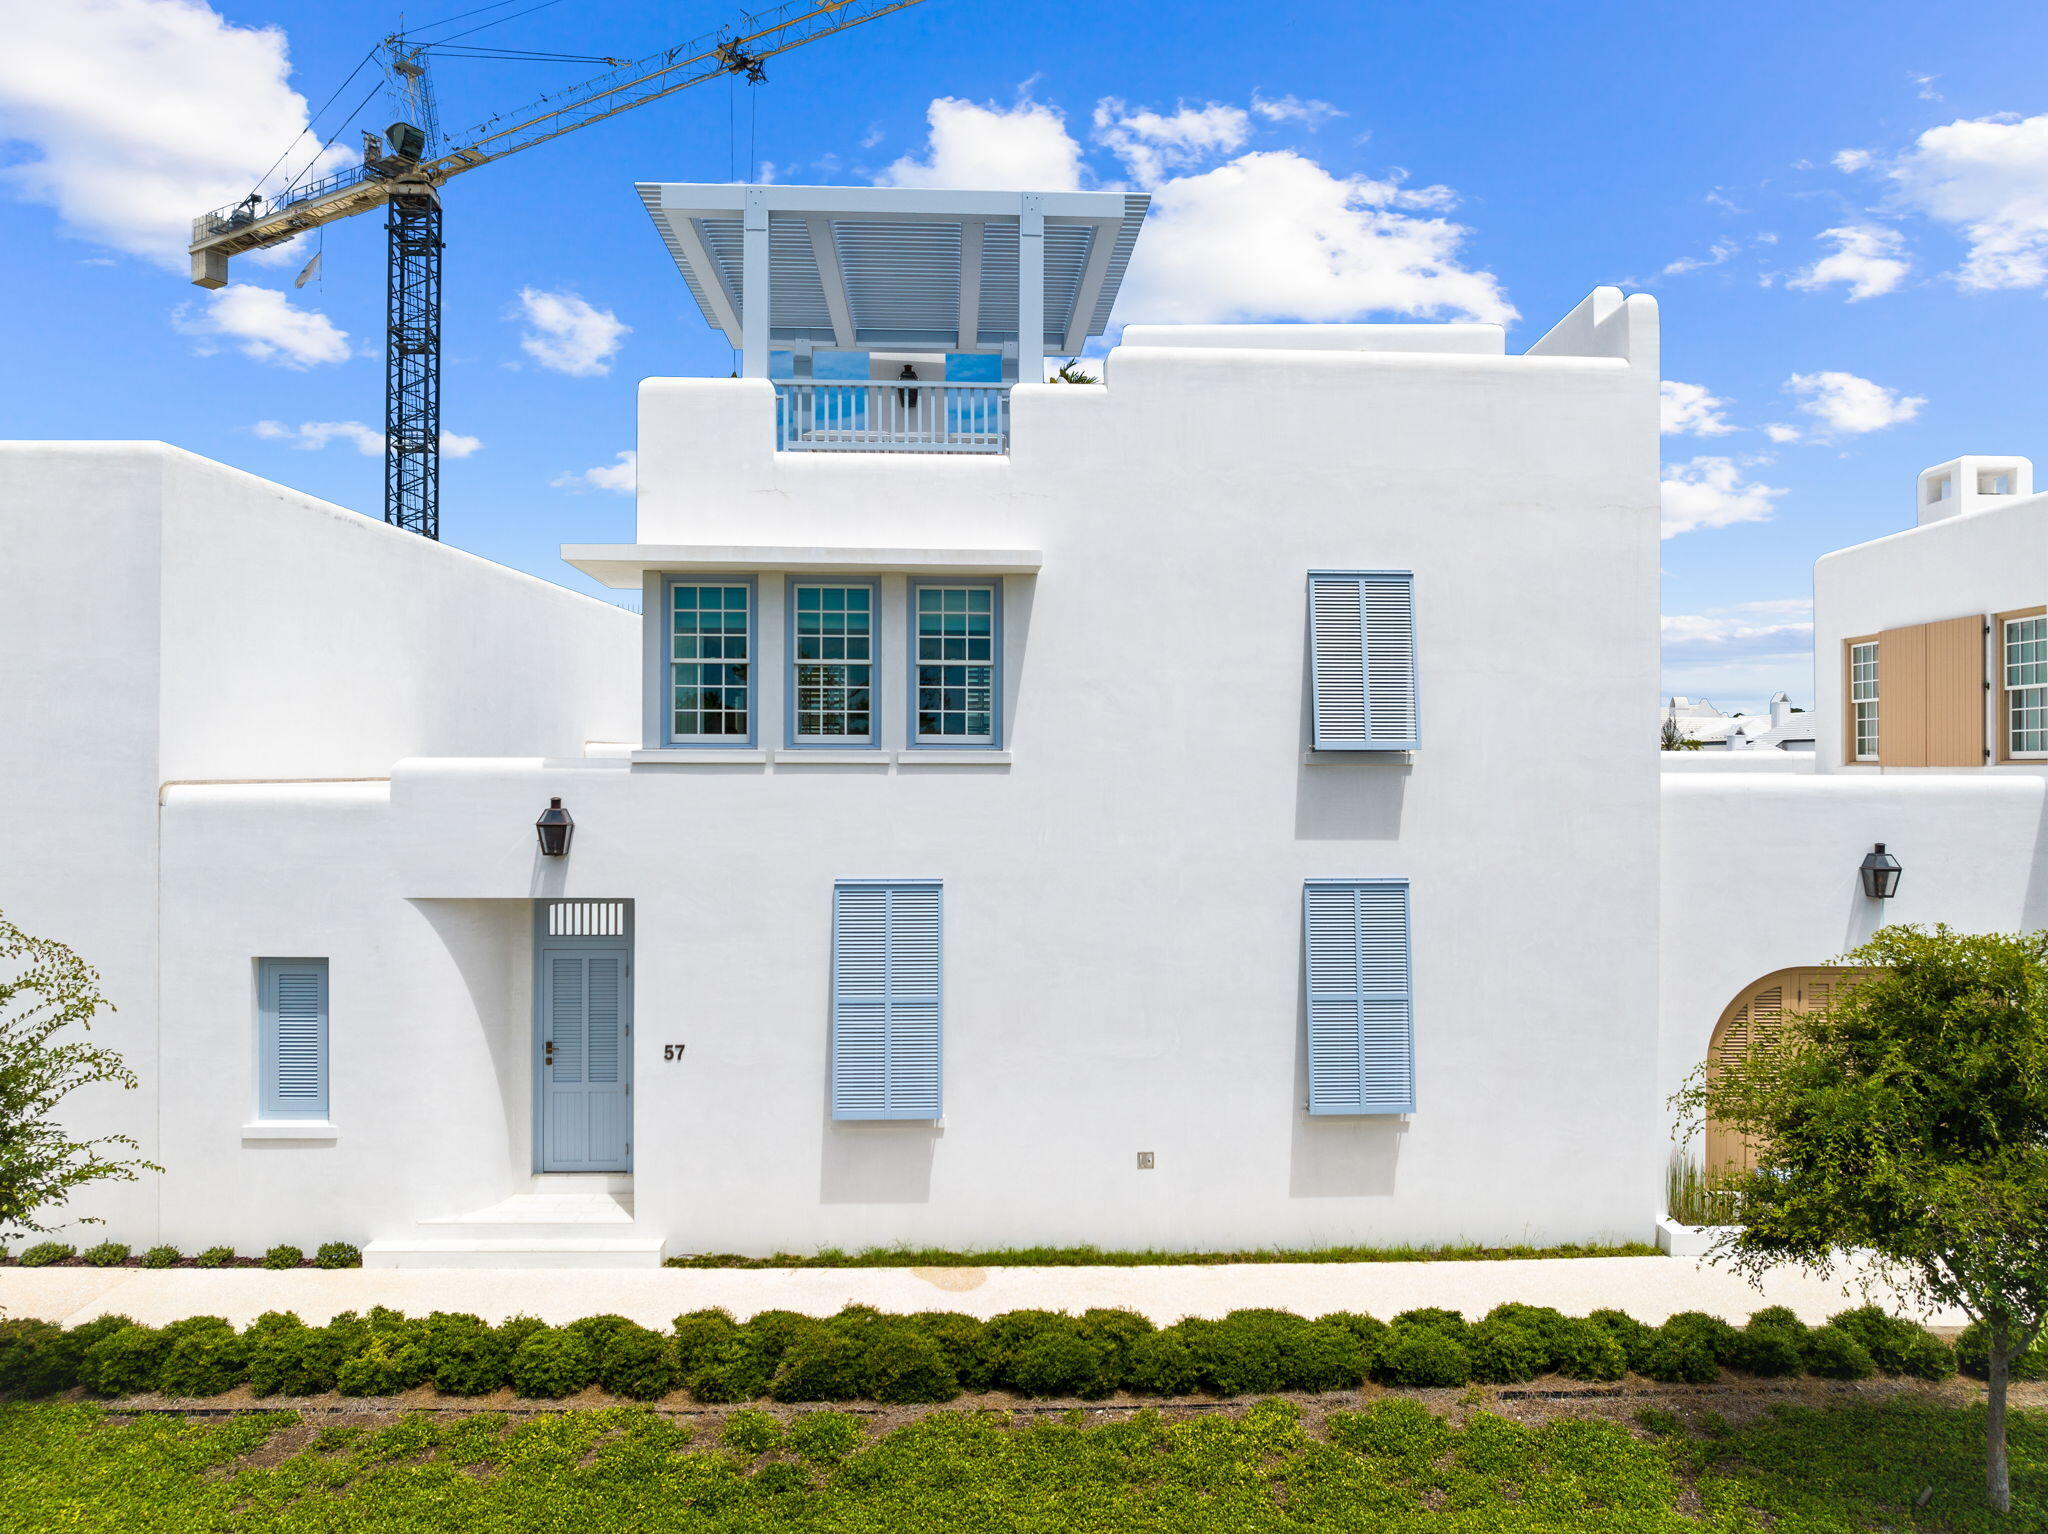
[671,1051]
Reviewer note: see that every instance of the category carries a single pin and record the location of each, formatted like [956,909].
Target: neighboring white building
[1784,728]
[1026,813]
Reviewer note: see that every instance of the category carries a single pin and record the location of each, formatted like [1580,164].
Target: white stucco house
[1022,813]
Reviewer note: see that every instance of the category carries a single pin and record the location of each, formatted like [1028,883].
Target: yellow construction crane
[403,170]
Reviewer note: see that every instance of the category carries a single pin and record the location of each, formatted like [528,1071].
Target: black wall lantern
[1880,873]
[555,828]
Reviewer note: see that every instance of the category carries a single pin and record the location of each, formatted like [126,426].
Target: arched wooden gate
[1755,1018]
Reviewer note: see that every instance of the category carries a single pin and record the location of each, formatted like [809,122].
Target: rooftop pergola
[1018,274]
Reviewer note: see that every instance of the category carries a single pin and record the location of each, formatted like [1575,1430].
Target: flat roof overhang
[623,565]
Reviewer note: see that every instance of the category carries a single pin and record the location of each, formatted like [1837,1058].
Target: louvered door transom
[584,1037]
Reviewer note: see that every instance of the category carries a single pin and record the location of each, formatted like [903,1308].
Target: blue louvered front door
[586,1059]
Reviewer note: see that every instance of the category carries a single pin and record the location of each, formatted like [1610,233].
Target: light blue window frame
[1360,1004]
[292,1008]
[1364,693]
[994,742]
[857,1100]
[790,663]
[667,673]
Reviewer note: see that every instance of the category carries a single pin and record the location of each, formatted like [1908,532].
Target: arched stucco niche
[1755,1018]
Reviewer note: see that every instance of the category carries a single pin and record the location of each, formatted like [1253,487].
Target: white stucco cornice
[622,565]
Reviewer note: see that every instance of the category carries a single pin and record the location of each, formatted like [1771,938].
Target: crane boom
[257,222]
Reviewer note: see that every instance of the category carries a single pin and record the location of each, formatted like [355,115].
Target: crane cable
[315,117]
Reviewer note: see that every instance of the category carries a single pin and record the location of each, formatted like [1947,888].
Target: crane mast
[404,171]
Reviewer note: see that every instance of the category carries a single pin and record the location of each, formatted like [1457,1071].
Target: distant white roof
[899,268]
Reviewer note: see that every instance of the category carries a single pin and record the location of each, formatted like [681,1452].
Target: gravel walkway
[1648,1288]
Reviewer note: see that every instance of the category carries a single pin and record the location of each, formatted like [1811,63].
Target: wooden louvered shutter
[291,1054]
[1361,1043]
[886,1030]
[1955,692]
[1362,660]
[1757,1021]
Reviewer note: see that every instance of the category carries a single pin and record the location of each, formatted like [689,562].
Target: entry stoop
[564,1222]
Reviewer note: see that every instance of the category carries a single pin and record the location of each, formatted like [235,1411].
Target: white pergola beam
[1031,290]
[754,282]
[970,284]
[1101,246]
[724,312]
[832,277]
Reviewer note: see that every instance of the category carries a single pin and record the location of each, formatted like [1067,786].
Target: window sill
[839,756]
[1315,758]
[290,1129]
[696,756]
[939,756]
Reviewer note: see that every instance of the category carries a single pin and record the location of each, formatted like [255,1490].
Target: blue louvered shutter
[291,1054]
[1361,627]
[885,1000]
[1361,1037]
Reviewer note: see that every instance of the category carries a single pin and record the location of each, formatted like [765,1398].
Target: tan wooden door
[1754,1019]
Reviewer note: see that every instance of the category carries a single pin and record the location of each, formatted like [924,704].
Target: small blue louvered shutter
[1361,627]
[291,1052]
[1361,1037]
[885,1000]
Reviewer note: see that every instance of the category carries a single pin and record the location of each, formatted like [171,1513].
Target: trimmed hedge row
[862,1354]
[117,1254]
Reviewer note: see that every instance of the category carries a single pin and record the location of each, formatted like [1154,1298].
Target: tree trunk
[1997,1476]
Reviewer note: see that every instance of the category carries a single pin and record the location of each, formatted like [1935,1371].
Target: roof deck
[896,319]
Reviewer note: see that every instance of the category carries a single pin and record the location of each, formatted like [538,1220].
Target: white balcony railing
[814,416]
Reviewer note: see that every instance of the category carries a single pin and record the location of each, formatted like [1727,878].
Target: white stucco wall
[1984,561]
[1123,895]
[168,618]
[1760,874]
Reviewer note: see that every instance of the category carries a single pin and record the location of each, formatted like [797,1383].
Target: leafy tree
[1909,1120]
[46,989]
[1072,372]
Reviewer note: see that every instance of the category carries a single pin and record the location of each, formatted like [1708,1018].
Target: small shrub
[388,1363]
[1062,1363]
[1009,1334]
[1928,1357]
[1239,1355]
[552,1362]
[1778,1315]
[1889,1340]
[1370,1332]
[637,1363]
[294,1359]
[1722,1341]
[1113,1331]
[1771,1352]
[825,1437]
[279,1258]
[338,1254]
[1680,1356]
[1161,1365]
[823,1364]
[769,1334]
[206,1358]
[1552,1328]
[108,1254]
[124,1362]
[963,1340]
[214,1257]
[1504,1353]
[43,1253]
[732,1371]
[465,1357]
[161,1257]
[1422,1356]
[752,1433]
[697,1333]
[34,1360]
[1450,1322]
[600,1329]
[1835,1354]
[1635,1338]
[1321,1355]
[514,1330]
[1585,1351]
[904,1365]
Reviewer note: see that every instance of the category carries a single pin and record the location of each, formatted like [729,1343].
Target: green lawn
[1392,1467]
[1095,1257]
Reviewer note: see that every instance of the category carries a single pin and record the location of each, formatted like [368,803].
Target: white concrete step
[556,1216]
[516,1252]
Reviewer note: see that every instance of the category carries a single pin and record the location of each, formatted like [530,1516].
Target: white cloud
[1852,160]
[623,475]
[1781,431]
[311,436]
[1273,235]
[1870,258]
[1846,404]
[143,114]
[1025,148]
[1311,113]
[1689,410]
[568,334]
[1711,492]
[1151,143]
[261,323]
[1988,178]
[1719,252]
[1751,649]
[1926,90]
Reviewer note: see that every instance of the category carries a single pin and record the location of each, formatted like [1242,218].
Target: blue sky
[1842,209]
